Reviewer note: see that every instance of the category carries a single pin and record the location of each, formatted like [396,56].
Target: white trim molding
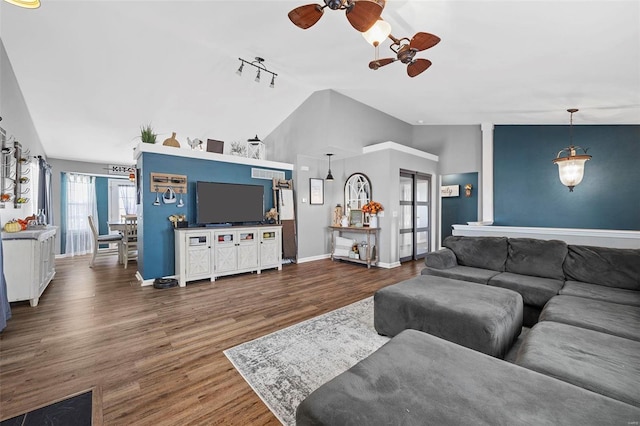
[588,237]
[397,147]
[486,174]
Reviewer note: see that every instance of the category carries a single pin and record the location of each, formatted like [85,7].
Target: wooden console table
[372,258]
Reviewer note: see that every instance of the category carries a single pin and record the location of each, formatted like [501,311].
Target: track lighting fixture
[258,63]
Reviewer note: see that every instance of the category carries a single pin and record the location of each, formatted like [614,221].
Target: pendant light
[329,177]
[28,4]
[571,166]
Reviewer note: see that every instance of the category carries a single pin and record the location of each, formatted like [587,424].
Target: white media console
[207,253]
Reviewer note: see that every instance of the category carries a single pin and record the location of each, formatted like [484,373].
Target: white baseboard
[388,265]
[314,258]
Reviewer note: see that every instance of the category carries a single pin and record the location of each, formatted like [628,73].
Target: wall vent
[266,174]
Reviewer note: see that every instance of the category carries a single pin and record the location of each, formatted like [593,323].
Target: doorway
[415,215]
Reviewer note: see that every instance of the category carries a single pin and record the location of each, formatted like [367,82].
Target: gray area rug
[284,367]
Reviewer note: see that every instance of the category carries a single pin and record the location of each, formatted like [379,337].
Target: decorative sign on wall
[450,191]
[115,169]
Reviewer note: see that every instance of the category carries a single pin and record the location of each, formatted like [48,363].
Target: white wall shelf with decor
[208,253]
[203,155]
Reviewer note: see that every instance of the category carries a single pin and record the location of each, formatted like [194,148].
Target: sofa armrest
[441,259]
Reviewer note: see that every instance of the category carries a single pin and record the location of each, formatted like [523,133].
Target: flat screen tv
[222,203]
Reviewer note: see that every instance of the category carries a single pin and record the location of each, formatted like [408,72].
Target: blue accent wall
[156,245]
[462,209]
[528,191]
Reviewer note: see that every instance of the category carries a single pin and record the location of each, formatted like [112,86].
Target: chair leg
[93,258]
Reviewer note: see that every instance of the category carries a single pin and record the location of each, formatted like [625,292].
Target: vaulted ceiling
[93,71]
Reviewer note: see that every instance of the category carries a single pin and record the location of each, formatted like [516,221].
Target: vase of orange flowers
[372,208]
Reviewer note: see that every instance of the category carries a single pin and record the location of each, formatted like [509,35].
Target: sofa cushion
[419,379]
[611,318]
[600,362]
[535,291]
[464,273]
[611,267]
[539,258]
[601,292]
[440,259]
[479,252]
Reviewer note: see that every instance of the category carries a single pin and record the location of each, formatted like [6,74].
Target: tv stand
[205,253]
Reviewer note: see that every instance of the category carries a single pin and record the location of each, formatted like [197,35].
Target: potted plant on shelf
[147,135]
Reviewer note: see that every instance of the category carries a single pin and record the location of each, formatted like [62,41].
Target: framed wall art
[316,191]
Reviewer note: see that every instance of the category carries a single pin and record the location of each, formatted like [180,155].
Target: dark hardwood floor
[155,356]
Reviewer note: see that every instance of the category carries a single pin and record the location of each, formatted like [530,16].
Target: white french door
[415,215]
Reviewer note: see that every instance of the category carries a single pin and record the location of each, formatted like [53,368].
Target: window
[80,202]
[122,199]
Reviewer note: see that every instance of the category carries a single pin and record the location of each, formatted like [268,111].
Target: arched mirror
[357,192]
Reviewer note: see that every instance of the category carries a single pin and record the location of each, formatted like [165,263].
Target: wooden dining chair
[102,240]
[130,240]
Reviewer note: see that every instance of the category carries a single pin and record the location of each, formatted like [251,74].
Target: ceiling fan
[406,50]
[362,14]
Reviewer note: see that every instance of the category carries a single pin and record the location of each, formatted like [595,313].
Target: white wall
[17,122]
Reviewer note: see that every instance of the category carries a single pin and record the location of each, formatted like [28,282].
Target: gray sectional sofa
[540,269]
[579,363]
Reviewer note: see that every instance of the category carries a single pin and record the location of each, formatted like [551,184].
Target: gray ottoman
[487,319]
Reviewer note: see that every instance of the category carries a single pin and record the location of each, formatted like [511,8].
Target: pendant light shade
[571,166]
[28,4]
[329,175]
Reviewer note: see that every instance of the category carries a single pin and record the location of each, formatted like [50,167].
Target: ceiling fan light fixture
[571,166]
[377,33]
[27,4]
[273,82]
[258,77]
[239,72]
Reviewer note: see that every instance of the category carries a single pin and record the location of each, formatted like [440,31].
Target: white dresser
[207,253]
[29,263]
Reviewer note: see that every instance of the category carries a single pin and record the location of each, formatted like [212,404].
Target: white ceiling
[93,71]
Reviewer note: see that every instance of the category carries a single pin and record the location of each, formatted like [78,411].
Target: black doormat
[74,411]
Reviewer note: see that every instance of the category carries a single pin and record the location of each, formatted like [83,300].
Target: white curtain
[127,195]
[80,202]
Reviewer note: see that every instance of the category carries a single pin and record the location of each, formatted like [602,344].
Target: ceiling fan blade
[422,41]
[374,65]
[364,13]
[418,66]
[306,16]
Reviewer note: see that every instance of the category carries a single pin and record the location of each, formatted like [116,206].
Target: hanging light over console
[329,175]
[571,166]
